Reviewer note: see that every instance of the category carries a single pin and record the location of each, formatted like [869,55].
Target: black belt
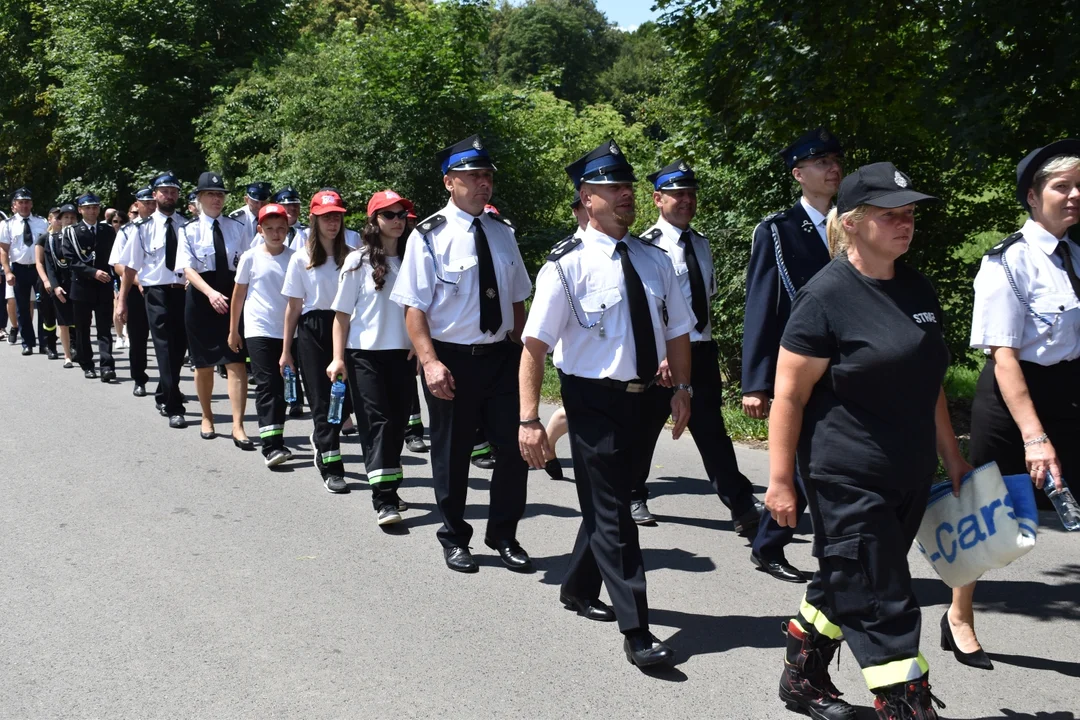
[703,343]
[630,386]
[482,349]
[24,264]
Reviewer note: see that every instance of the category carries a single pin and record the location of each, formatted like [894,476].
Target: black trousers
[415,426]
[771,538]
[706,427]
[138,332]
[165,316]
[46,312]
[96,309]
[862,588]
[25,278]
[269,390]
[314,350]
[380,381]
[486,396]
[604,430]
[1055,393]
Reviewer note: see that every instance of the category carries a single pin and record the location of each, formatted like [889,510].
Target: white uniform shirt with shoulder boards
[1000,319]
[249,221]
[11,234]
[593,271]
[264,307]
[145,251]
[196,246]
[316,286]
[440,275]
[668,240]
[376,322]
[123,237]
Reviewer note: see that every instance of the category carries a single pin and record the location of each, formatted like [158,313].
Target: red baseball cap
[272,209]
[325,202]
[384,199]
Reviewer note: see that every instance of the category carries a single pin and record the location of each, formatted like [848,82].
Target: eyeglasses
[388,215]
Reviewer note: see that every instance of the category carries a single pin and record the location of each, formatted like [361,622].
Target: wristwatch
[687,387]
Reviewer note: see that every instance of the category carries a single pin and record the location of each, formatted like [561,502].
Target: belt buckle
[636,387]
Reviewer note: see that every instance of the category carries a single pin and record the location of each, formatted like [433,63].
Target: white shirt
[299,233]
[316,286]
[145,251]
[11,234]
[1001,320]
[352,239]
[441,277]
[196,244]
[594,275]
[376,322]
[676,253]
[819,220]
[249,221]
[264,308]
[123,237]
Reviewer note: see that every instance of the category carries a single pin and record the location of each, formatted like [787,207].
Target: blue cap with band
[469,154]
[165,179]
[676,176]
[88,199]
[144,195]
[814,143]
[605,165]
[287,196]
[259,191]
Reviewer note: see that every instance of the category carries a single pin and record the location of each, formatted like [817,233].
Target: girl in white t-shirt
[372,347]
[257,294]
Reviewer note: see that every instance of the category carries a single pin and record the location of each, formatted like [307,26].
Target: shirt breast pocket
[460,269]
[681,268]
[1062,309]
[598,302]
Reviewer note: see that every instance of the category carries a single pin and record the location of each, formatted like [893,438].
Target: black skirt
[207,329]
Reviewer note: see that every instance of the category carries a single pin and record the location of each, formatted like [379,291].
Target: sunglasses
[388,215]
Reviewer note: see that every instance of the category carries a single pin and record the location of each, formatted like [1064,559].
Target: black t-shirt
[870,418]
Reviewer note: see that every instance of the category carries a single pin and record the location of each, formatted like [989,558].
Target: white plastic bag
[993,522]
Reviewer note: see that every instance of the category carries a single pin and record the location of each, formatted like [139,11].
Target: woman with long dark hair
[372,347]
[311,282]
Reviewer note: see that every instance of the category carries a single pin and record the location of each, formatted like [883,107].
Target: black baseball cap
[878,184]
[1036,160]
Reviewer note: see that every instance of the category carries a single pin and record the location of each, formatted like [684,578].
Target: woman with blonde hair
[859,395]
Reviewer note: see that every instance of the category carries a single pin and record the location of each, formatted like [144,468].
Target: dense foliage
[359,94]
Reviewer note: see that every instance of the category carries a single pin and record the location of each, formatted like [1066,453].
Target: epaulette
[503,220]
[563,247]
[1004,244]
[646,243]
[236,213]
[234,219]
[776,216]
[140,221]
[430,224]
[303,226]
[652,236]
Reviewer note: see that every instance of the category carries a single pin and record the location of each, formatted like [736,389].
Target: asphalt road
[149,574]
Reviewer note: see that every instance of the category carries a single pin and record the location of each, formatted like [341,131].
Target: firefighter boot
[805,685]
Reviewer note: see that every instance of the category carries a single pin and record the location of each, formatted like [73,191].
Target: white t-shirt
[317,286]
[264,308]
[376,322]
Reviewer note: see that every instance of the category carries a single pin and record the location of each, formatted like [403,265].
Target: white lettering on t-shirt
[925,317]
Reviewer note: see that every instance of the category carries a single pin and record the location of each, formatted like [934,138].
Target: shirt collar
[207,221]
[160,217]
[670,232]
[459,216]
[815,217]
[603,242]
[1037,235]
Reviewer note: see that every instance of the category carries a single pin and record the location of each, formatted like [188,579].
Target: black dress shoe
[139,391]
[484,462]
[221,372]
[89,374]
[746,524]
[512,554]
[243,444]
[177,421]
[52,355]
[295,410]
[108,375]
[554,469]
[416,445]
[644,650]
[207,435]
[28,351]
[161,410]
[780,569]
[460,560]
[639,512]
[978,659]
[588,609]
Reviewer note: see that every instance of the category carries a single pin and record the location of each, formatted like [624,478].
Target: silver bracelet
[1037,441]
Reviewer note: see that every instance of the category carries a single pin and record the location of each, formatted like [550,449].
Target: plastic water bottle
[1064,503]
[337,402]
[290,385]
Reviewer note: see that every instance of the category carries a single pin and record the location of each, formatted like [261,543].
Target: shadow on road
[1042,601]
[708,634]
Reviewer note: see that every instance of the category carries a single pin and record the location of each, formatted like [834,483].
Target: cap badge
[683,168]
[214,178]
[899,179]
[824,135]
[477,145]
[490,292]
[614,149]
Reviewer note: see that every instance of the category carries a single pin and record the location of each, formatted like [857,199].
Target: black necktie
[27,235]
[490,307]
[292,234]
[221,259]
[640,319]
[1065,254]
[699,302]
[170,244]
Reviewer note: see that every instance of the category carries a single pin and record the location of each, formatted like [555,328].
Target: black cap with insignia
[259,191]
[605,165]
[67,208]
[814,143]
[469,154]
[878,184]
[287,196]
[676,176]
[1036,160]
[144,194]
[211,181]
[22,193]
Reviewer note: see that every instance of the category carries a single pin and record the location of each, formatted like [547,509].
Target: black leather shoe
[90,374]
[28,351]
[512,554]
[108,375]
[177,421]
[639,511]
[746,524]
[484,462]
[161,410]
[139,391]
[207,435]
[554,469]
[588,609]
[780,569]
[221,372]
[416,445]
[296,411]
[243,444]
[978,659]
[644,650]
[460,560]
[52,355]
